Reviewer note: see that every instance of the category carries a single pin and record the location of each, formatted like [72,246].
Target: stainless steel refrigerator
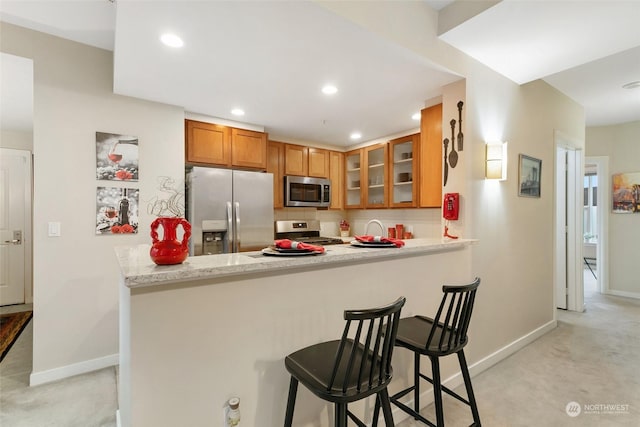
[229,211]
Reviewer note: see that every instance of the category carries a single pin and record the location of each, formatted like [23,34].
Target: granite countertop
[138,270]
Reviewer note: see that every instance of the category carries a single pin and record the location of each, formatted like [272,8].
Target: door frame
[602,198]
[27,239]
[573,258]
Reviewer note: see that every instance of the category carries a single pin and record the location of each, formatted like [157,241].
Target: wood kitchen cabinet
[404,171]
[366,177]
[353,178]
[248,149]
[336,175]
[430,157]
[319,161]
[275,165]
[306,161]
[296,160]
[207,143]
[215,145]
[375,176]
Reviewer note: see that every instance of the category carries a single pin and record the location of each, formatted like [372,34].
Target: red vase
[169,250]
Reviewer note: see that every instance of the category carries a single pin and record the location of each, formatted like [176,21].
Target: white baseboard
[426,397]
[118,424]
[43,377]
[635,295]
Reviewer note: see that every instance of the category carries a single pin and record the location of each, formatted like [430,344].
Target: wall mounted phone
[451,206]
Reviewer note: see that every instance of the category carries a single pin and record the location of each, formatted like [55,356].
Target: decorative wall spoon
[453,156]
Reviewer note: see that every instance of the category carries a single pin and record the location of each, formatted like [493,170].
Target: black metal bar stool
[352,368]
[444,335]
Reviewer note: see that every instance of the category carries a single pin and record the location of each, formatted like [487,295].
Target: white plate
[271,252]
[373,244]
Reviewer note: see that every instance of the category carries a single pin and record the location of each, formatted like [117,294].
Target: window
[589,215]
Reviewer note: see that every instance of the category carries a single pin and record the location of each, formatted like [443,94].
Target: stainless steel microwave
[304,191]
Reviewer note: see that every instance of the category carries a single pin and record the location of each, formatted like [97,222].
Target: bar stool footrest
[410,411]
[447,390]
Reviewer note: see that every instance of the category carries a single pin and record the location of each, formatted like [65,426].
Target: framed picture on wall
[529,176]
[116,210]
[626,192]
[116,157]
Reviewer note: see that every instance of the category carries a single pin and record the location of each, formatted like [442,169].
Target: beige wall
[17,140]
[620,144]
[76,275]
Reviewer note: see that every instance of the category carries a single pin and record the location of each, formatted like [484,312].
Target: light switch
[54,229]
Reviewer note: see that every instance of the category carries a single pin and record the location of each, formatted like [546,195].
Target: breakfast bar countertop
[139,271]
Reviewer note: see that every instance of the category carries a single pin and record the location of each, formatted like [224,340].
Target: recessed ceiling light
[171,40]
[632,85]
[329,89]
[356,135]
[237,112]
[416,116]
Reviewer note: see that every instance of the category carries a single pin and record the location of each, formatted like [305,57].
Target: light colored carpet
[87,400]
[591,358]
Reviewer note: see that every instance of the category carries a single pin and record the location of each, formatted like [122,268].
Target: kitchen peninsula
[195,334]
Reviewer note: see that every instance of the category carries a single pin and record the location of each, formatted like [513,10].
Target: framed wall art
[529,176]
[116,157]
[116,210]
[626,192]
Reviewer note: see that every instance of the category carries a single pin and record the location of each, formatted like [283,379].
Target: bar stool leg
[467,383]
[376,411]
[386,408]
[416,382]
[437,391]
[341,415]
[291,402]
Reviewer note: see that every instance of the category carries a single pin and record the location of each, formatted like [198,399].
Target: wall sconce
[496,161]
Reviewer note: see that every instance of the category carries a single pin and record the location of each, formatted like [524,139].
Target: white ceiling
[586,49]
[273,61]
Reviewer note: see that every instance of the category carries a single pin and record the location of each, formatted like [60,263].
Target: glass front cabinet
[353,195]
[403,170]
[375,176]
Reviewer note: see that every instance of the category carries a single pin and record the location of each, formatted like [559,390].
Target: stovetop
[321,240]
[307,231]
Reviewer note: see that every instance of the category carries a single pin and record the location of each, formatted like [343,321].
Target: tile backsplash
[424,223]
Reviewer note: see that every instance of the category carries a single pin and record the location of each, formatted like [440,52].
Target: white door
[561,228]
[568,237]
[15,202]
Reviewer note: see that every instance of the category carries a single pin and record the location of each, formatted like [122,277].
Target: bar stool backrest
[449,330]
[363,360]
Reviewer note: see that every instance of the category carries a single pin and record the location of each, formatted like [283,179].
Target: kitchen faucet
[375,221]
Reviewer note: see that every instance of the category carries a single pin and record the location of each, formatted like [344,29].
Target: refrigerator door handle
[237,227]
[230,240]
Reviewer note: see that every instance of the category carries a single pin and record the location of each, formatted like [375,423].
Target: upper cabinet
[215,145]
[353,190]
[207,143]
[295,160]
[431,157]
[375,176]
[306,161]
[248,149]
[319,160]
[275,165]
[336,175]
[404,171]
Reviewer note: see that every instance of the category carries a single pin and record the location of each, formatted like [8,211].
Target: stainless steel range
[307,231]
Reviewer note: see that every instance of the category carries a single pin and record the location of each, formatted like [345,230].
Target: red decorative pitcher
[169,250]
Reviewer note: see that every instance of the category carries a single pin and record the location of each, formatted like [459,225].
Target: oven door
[307,192]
